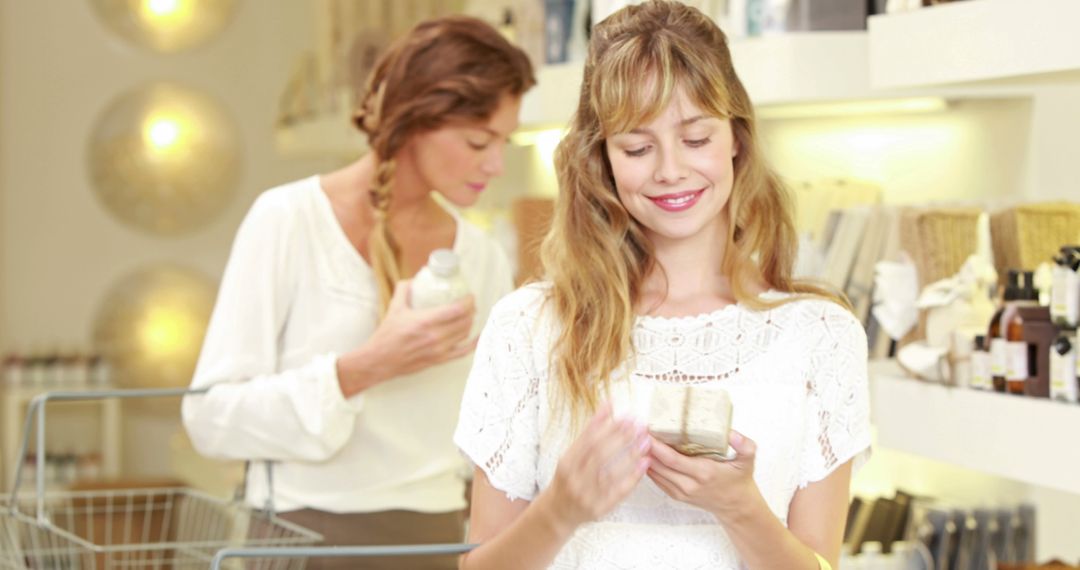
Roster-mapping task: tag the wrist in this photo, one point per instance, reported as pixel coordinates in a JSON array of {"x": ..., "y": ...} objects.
[
  {"x": 747, "y": 506},
  {"x": 549, "y": 513},
  {"x": 357, "y": 371}
]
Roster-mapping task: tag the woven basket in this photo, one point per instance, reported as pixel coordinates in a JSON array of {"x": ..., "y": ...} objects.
[
  {"x": 1025, "y": 236},
  {"x": 939, "y": 240}
]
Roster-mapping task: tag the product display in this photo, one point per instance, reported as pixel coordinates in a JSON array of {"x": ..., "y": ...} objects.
[
  {"x": 1064, "y": 369},
  {"x": 695, "y": 420},
  {"x": 439, "y": 282},
  {"x": 1065, "y": 291}
]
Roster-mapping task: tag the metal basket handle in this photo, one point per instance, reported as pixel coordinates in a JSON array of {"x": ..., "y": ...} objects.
[
  {"x": 37, "y": 408},
  {"x": 338, "y": 551}
]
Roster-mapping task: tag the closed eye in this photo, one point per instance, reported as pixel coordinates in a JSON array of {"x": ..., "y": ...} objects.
[
  {"x": 698, "y": 142},
  {"x": 634, "y": 152}
]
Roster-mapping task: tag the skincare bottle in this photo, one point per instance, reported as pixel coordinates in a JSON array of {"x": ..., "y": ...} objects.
[
  {"x": 439, "y": 282},
  {"x": 996, "y": 336},
  {"x": 1018, "y": 361},
  {"x": 980, "y": 365},
  {"x": 1063, "y": 364}
]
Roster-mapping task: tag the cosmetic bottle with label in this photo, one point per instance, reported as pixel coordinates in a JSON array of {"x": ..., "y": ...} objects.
[
  {"x": 1065, "y": 294},
  {"x": 1019, "y": 359},
  {"x": 1063, "y": 368},
  {"x": 980, "y": 365},
  {"x": 439, "y": 282},
  {"x": 995, "y": 334}
]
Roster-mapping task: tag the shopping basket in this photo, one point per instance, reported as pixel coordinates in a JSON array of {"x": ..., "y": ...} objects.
[{"x": 158, "y": 528}]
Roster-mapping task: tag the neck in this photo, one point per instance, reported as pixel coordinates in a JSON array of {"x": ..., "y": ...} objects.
[
  {"x": 410, "y": 198},
  {"x": 694, "y": 280}
]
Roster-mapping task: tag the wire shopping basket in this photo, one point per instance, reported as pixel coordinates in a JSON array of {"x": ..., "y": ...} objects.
[{"x": 156, "y": 528}]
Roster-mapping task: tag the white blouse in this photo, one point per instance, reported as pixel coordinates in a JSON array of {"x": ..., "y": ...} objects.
[
  {"x": 294, "y": 295},
  {"x": 797, "y": 376}
]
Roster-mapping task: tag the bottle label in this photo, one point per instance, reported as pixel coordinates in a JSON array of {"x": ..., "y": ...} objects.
[
  {"x": 1072, "y": 298},
  {"x": 1016, "y": 360},
  {"x": 997, "y": 356},
  {"x": 980, "y": 370},
  {"x": 1063, "y": 385},
  {"x": 1058, "y": 293}
]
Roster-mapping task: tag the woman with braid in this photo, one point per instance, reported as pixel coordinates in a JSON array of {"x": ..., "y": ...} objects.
[{"x": 316, "y": 363}]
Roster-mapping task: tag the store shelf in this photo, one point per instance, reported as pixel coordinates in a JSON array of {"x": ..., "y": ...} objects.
[
  {"x": 781, "y": 69},
  {"x": 974, "y": 41},
  {"x": 803, "y": 67},
  {"x": 1021, "y": 438},
  {"x": 13, "y": 405},
  {"x": 330, "y": 135}
]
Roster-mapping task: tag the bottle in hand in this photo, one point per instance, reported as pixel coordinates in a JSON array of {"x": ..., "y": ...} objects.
[{"x": 439, "y": 282}]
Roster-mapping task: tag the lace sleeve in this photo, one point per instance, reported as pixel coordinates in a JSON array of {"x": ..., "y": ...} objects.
[
  {"x": 498, "y": 426},
  {"x": 838, "y": 396}
]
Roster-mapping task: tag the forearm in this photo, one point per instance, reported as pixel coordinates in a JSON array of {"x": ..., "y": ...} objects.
[
  {"x": 763, "y": 542},
  {"x": 294, "y": 415},
  {"x": 531, "y": 541},
  {"x": 361, "y": 370}
]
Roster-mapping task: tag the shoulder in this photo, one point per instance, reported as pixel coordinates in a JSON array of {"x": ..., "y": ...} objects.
[
  {"x": 526, "y": 303},
  {"x": 815, "y": 317},
  {"x": 285, "y": 202}
]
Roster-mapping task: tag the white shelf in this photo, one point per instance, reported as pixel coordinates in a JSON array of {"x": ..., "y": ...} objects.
[
  {"x": 781, "y": 69},
  {"x": 1021, "y": 438},
  {"x": 803, "y": 67},
  {"x": 974, "y": 41},
  {"x": 13, "y": 407},
  {"x": 331, "y": 135}
]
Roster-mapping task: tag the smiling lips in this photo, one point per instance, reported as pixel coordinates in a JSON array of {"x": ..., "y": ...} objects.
[
  {"x": 679, "y": 201},
  {"x": 477, "y": 187}
]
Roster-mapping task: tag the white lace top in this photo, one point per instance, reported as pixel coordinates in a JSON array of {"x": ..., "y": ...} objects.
[{"x": 798, "y": 382}]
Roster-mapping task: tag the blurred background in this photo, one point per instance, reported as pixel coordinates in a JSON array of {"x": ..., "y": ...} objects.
[{"x": 926, "y": 145}]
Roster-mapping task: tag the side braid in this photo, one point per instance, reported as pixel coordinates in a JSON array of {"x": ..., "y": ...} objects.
[{"x": 382, "y": 248}]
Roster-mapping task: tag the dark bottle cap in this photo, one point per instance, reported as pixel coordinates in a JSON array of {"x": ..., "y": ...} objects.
[
  {"x": 1029, "y": 292},
  {"x": 1062, "y": 345},
  {"x": 980, "y": 342}
]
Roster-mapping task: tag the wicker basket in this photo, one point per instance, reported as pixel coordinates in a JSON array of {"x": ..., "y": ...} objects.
[
  {"x": 939, "y": 240},
  {"x": 1025, "y": 236}
]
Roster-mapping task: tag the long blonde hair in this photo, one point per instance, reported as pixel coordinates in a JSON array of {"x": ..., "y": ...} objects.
[
  {"x": 596, "y": 255},
  {"x": 454, "y": 68}
]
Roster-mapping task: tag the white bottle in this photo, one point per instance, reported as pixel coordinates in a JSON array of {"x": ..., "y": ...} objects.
[{"x": 439, "y": 282}]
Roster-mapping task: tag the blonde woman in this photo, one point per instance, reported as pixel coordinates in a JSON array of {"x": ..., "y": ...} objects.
[
  {"x": 669, "y": 261},
  {"x": 316, "y": 362}
]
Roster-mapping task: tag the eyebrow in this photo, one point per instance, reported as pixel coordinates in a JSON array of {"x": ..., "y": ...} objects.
[
  {"x": 488, "y": 130},
  {"x": 682, "y": 123}
]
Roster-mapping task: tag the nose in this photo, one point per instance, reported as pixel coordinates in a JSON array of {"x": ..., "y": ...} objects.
[
  {"x": 670, "y": 167},
  {"x": 493, "y": 161}
]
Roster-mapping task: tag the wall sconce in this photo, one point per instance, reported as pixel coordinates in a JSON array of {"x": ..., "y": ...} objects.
[
  {"x": 150, "y": 326},
  {"x": 166, "y": 26},
  {"x": 164, "y": 159}
]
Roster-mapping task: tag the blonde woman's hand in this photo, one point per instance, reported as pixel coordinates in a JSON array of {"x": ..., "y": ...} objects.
[
  {"x": 408, "y": 340},
  {"x": 602, "y": 466},
  {"x": 722, "y": 488}
]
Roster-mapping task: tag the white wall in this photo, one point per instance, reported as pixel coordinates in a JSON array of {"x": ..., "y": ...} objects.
[{"x": 60, "y": 250}]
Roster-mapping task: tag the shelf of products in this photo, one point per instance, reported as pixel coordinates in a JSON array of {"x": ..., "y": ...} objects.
[
  {"x": 14, "y": 401},
  {"x": 327, "y": 135},
  {"x": 999, "y": 434},
  {"x": 976, "y": 41}
]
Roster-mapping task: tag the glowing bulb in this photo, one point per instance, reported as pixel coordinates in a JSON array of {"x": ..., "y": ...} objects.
[
  {"x": 162, "y": 8},
  {"x": 166, "y": 331},
  {"x": 162, "y": 133}
]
